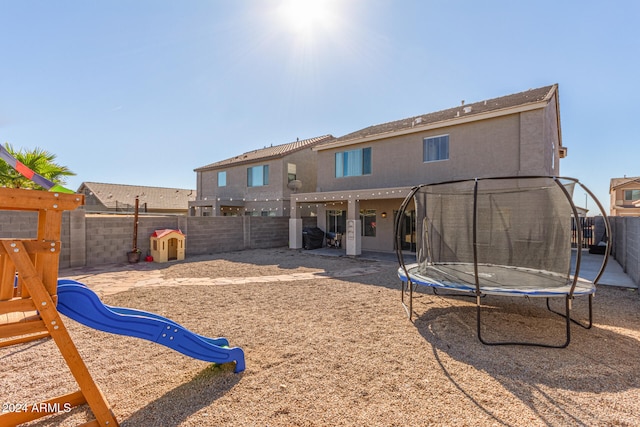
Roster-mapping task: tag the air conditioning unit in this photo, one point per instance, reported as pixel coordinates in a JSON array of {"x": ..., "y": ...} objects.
[{"x": 619, "y": 202}]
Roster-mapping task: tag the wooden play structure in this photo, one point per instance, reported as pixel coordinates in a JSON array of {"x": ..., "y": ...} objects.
[
  {"x": 167, "y": 245},
  {"x": 28, "y": 298}
]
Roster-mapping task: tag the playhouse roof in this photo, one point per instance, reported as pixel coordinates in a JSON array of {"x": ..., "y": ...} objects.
[{"x": 165, "y": 232}]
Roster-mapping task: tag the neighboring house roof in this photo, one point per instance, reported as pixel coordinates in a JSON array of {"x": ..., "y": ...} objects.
[
  {"x": 272, "y": 152},
  {"x": 525, "y": 100},
  {"x": 617, "y": 182},
  {"x": 156, "y": 198}
]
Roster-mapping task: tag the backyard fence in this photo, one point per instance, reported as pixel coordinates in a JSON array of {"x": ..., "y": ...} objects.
[
  {"x": 100, "y": 239},
  {"x": 626, "y": 245},
  {"x": 584, "y": 225}
]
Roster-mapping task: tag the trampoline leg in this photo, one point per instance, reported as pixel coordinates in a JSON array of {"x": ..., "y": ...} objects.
[
  {"x": 582, "y": 325},
  {"x": 567, "y": 317},
  {"x": 407, "y": 286}
]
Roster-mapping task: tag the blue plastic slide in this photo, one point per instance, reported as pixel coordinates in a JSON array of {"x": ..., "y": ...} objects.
[{"x": 77, "y": 301}]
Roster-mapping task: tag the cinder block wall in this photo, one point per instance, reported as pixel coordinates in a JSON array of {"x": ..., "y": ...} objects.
[
  {"x": 23, "y": 225},
  {"x": 626, "y": 245},
  {"x": 109, "y": 237},
  {"x": 105, "y": 239},
  {"x": 212, "y": 234},
  {"x": 268, "y": 232}
]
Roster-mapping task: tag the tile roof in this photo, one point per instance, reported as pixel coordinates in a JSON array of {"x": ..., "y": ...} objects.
[
  {"x": 274, "y": 151},
  {"x": 156, "y": 198},
  {"x": 530, "y": 96},
  {"x": 617, "y": 182}
]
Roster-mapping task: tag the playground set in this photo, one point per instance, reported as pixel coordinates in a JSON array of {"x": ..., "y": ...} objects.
[{"x": 32, "y": 299}]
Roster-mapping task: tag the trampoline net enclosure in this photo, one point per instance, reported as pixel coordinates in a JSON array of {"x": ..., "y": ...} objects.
[{"x": 508, "y": 234}]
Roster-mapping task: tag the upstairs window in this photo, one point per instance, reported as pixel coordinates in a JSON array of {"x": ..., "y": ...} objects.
[
  {"x": 436, "y": 148},
  {"x": 222, "y": 179},
  {"x": 291, "y": 172},
  {"x": 258, "y": 176},
  {"x": 631, "y": 195},
  {"x": 353, "y": 163}
]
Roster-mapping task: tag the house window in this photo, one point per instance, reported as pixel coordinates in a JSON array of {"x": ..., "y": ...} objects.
[
  {"x": 258, "y": 176},
  {"x": 222, "y": 179},
  {"x": 353, "y": 162},
  {"x": 291, "y": 172},
  {"x": 368, "y": 221},
  {"x": 631, "y": 195},
  {"x": 435, "y": 148}
]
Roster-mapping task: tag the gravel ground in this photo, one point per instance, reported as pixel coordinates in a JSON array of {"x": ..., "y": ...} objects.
[{"x": 340, "y": 351}]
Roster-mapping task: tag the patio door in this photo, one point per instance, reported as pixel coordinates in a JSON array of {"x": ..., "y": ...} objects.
[
  {"x": 337, "y": 221},
  {"x": 407, "y": 230}
]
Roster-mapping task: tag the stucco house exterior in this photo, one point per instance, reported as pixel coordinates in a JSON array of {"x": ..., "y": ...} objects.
[
  {"x": 625, "y": 196},
  {"x": 258, "y": 182},
  {"x": 364, "y": 176},
  {"x": 105, "y": 197}
]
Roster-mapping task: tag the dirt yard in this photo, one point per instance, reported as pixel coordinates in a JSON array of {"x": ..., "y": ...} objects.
[{"x": 338, "y": 350}]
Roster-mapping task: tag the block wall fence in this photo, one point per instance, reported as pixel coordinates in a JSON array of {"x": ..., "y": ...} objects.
[
  {"x": 97, "y": 239},
  {"x": 626, "y": 245}
]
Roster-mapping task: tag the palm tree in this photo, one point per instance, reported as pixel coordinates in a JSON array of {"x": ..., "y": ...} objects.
[{"x": 38, "y": 160}]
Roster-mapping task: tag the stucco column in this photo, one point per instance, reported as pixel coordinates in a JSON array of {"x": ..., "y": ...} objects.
[
  {"x": 353, "y": 239},
  {"x": 295, "y": 226},
  {"x": 321, "y": 219}
]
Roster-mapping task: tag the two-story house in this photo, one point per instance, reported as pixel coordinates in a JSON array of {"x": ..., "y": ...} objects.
[
  {"x": 364, "y": 176},
  {"x": 625, "y": 196},
  {"x": 258, "y": 182}
]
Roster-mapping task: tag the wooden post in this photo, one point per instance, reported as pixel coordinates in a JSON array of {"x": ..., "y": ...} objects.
[{"x": 135, "y": 225}]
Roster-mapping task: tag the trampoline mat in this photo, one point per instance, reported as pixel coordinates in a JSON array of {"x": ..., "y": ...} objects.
[{"x": 496, "y": 279}]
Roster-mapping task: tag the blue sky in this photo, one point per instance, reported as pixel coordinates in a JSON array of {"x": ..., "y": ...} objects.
[{"x": 142, "y": 92}]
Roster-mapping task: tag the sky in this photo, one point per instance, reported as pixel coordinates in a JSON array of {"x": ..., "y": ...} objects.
[{"x": 143, "y": 92}]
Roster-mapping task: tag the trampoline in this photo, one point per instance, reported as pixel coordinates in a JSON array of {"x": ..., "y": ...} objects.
[{"x": 501, "y": 236}]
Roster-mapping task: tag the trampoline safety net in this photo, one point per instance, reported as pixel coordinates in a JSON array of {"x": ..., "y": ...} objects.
[{"x": 515, "y": 231}]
